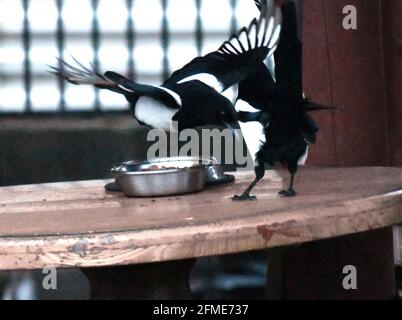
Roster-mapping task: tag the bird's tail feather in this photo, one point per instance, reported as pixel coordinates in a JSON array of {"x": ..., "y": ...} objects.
[
  {"x": 113, "y": 81},
  {"x": 121, "y": 81},
  {"x": 80, "y": 74}
]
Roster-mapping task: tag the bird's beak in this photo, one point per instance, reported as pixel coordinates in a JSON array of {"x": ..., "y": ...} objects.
[{"x": 312, "y": 107}]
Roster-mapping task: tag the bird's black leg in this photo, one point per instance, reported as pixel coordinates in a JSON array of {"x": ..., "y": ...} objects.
[
  {"x": 259, "y": 172},
  {"x": 291, "y": 191}
]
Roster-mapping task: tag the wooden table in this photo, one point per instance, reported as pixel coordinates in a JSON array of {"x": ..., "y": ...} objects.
[{"x": 146, "y": 247}]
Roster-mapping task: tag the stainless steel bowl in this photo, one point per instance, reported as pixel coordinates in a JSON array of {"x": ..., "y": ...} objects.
[
  {"x": 175, "y": 176},
  {"x": 184, "y": 177},
  {"x": 214, "y": 171}
]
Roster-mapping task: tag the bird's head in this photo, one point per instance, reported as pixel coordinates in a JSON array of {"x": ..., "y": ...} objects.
[{"x": 307, "y": 124}]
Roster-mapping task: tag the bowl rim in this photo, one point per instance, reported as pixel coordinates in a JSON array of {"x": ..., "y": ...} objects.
[
  {"x": 203, "y": 164},
  {"x": 159, "y": 172}
]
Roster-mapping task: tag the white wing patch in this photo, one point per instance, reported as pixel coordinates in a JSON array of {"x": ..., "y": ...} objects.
[
  {"x": 232, "y": 93},
  {"x": 243, "y": 38},
  {"x": 206, "y": 78},
  {"x": 253, "y": 132},
  {"x": 263, "y": 32},
  {"x": 275, "y": 38},
  {"x": 243, "y": 106},
  {"x": 302, "y": 161},
  {"x": 252, "y": 34},
  {"x": 270, "y": 64},
  {"x": 172, "y": 93},
  {"x": 237, "y": 45},
  {"x": 270, "y": 28},
  {"x": 154, "y": 113},
  {"x": 124, "y": 88}
]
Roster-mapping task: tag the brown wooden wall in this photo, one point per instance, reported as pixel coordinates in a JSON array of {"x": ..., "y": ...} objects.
[
  {"x": 393, "y": 70},
  {"x": 359, "y": 71}
]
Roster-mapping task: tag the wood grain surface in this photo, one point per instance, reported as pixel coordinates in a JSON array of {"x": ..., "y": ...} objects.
[{"x": 78, "y": 224}]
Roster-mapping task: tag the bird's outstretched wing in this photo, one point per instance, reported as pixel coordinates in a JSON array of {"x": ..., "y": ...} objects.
[
  {"x": 259, "y": 88},
  {"x": 261, "y": 3},
  {"x": 237, "y": 57},
  {"x": 261, "y": 37}
]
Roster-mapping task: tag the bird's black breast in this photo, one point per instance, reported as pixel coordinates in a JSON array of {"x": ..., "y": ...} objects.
[{"x": 288, "y": 149}]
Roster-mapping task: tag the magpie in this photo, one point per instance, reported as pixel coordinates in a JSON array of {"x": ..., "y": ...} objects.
[
  {"x": 280, "y": 106},
  {"x": 197, "y": 94},
  {"x": 261, "y": 4}
]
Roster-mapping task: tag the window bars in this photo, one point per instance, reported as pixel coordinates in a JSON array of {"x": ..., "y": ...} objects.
[{"x": 143, "y": 39}]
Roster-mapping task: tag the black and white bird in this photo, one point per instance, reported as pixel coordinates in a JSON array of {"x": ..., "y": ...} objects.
[
  {"x": 195, "y": 95},
  {"x": 253, "y": 131},
  {"x": 261, "y": 3},
  {"x": 280, "y": 106}
]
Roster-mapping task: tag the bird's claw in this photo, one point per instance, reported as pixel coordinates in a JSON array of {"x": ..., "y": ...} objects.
[
  {"x": 244, "y": 197},
  {"x": 288, "y": 193}
]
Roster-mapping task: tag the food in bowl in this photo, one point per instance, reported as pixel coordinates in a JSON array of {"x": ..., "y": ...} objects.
[{"x": 155, "y": 167}]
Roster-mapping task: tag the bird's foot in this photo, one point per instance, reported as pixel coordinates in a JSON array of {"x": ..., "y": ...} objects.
[
  {"x": 244, "y": 197},
  {"x": 288, "y": 193}
]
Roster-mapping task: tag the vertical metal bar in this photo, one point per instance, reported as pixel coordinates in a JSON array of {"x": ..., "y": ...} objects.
[
  {"x": 233, "y": 24},
  {"x": 60, "y": 49},
  {"x": 198, "y": 31},
  {"x": 130, "y": 39},
  {"x": 165, "y": 40},
  {"x": 26, "y": 35},
  {"x": 95, "y": 46}
]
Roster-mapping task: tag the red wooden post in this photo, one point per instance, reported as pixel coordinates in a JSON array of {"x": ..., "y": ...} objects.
[
  {"x": 317, "y": 80},
  {"x": 346, "y": 68},
  {"x": 392, "y": 11}
]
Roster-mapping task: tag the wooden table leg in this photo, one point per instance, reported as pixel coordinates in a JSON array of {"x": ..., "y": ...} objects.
[
  {"x": 3, "y": 282},
  {"x": 165, "y": 281},
  {"x": 315, "y": 270},
  {"x": 275, "y": 279}
]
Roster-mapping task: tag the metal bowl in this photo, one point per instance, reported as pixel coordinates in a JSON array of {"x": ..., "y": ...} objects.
[
  {"x": 131, "y": 178},
  {"x": 173, "y": 176},
  {"x": 214, "y": 171}
]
